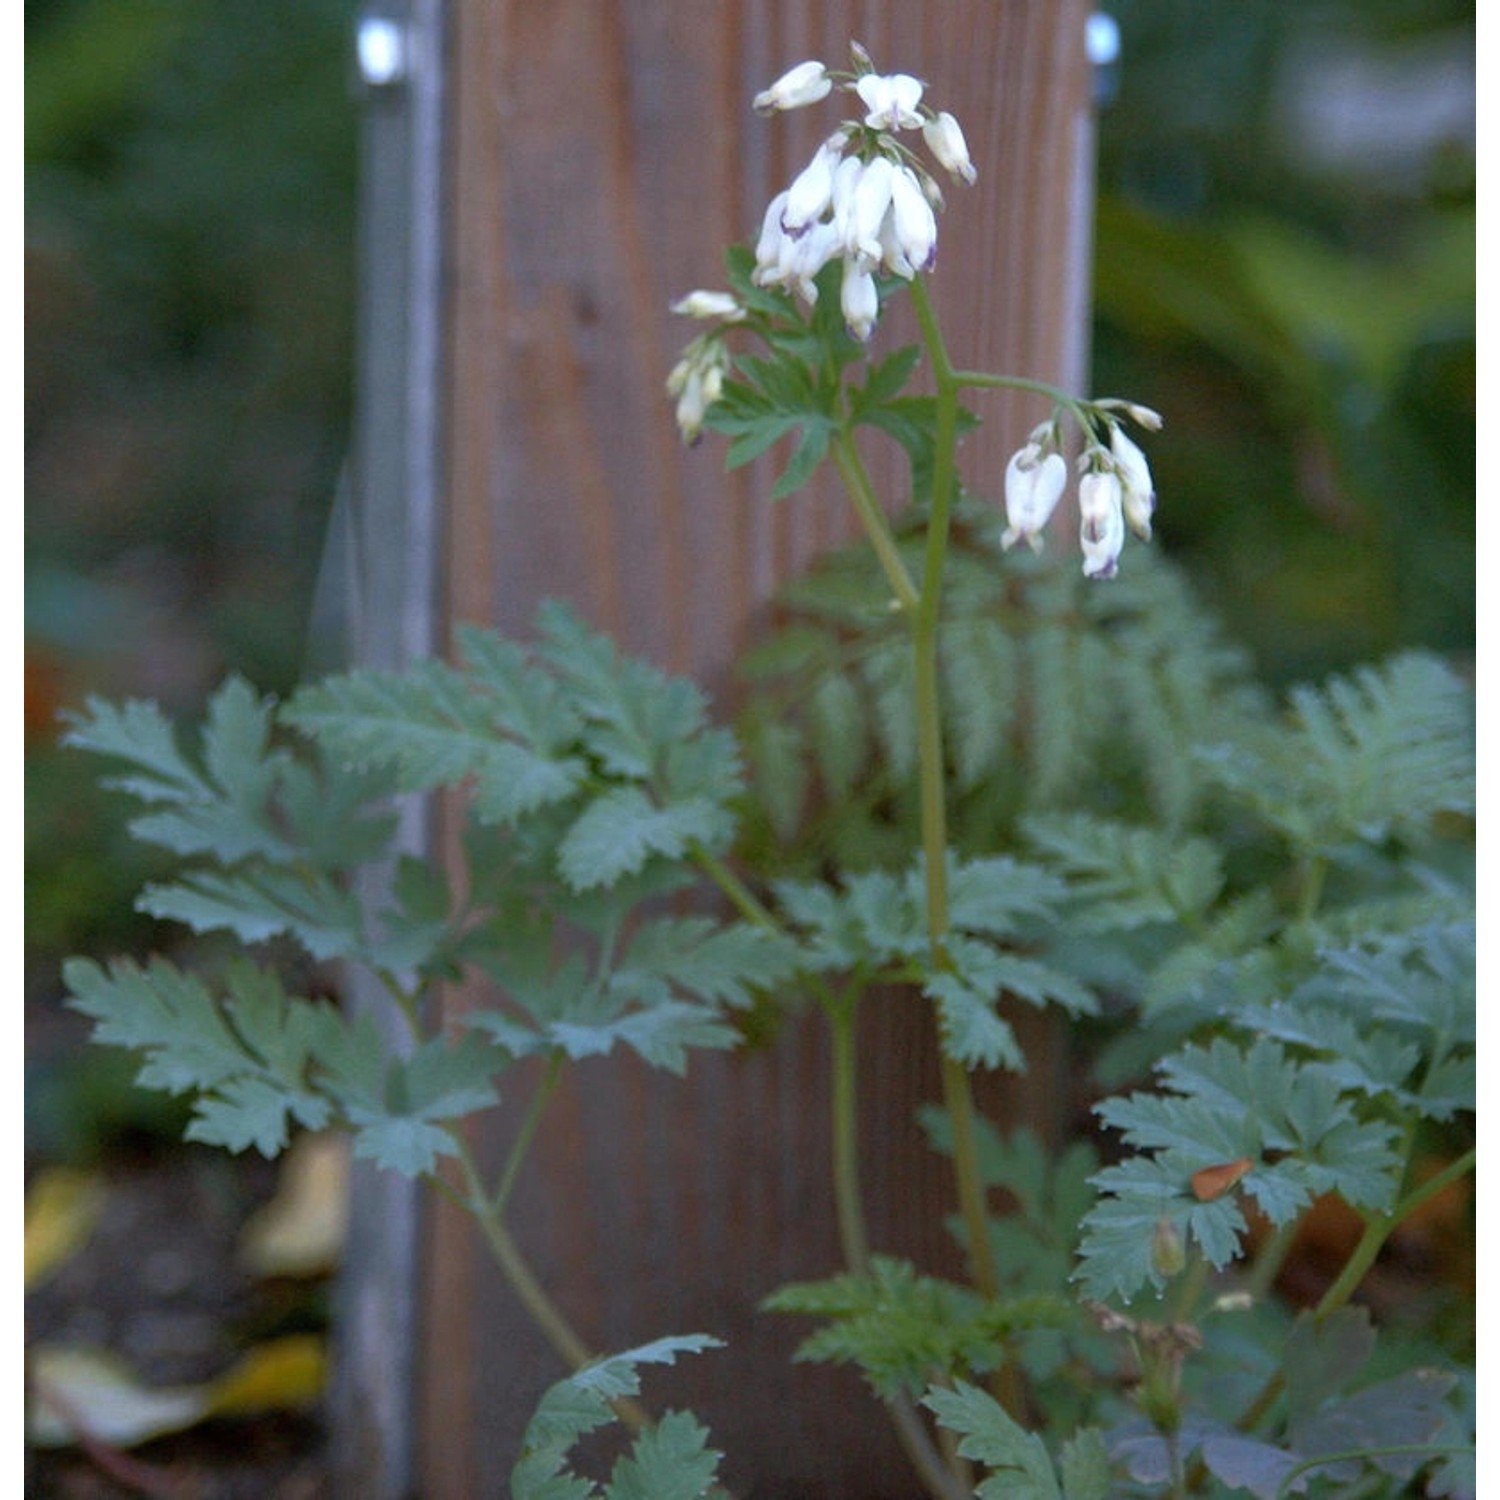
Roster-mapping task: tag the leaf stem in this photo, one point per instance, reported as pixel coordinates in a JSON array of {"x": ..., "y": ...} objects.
[
  {"x": 856, "y": 477},
  {"x": 523, "y": 1281},
  {"x": 533, "y": 1117}
]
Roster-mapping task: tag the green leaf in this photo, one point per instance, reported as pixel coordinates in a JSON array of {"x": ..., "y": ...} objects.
[
  {"x": 1084, "y": 1466},
  {"x": 436, "y": 726},
  {"x": 246, "y": 1059},
  {"x": 223, "y": 809},
  {"x": 1022, "y": 1468},
  {"x": 580, "y": 1404},
  {"x": 671, "y": 1461},
  {"x": 717, "y": 963},
  {"x": 618, "y": 832},
  {"x": 262, "y": 903}
]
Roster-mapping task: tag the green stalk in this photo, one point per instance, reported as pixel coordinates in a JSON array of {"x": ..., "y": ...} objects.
[
  {"x": 958, "y": 1095},
  {"x": 523, "y": 1281},
  {"x": 1378, "y": 1229}
]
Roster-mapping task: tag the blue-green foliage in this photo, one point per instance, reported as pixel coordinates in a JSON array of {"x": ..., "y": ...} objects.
[
  {"x": 901, "y": 1328},
  {"x": 591, "y": 780},
  {"x": 874, "y": 925},
  {"x": 668, "y": 1461},
  {"x": 1055, "y": 696}
]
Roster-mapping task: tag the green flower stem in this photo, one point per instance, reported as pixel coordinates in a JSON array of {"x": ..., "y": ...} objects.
[
  {"x": 1378, "y": 1228},
  {"x": 982, "y": 380},
  {"x": 856, "y": 479},
  {"x": 958, "y": 1095},
  {"x": 523, "y": 1281}
]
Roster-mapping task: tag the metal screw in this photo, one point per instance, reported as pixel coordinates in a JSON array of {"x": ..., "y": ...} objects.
[{"x": 380, "y": 48}]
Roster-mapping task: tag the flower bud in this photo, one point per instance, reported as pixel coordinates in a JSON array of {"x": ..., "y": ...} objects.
[
  {"x": 1034, "y": 482},
  {"x": 1168, "y": 1255},
  {"x": 945, "y": 139},
  {"x": 701, "y": 304},
  {"x": 805, "y": 84}
]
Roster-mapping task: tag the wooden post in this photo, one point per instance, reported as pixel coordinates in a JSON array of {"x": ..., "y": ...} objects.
[{"x": 602, "y": 154}]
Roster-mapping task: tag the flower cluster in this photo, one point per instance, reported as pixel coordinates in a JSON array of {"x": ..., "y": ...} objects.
[
  {"x": 863, "y": 198},
  {"x": 1115, "y": 490}
]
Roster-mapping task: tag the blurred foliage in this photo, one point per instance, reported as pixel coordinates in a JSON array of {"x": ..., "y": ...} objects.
[
  {"x": 190, "y": 175},
  {"x": 1285, "y": 266}
]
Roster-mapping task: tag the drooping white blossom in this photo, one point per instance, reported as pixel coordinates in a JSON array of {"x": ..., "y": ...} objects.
[
  {"x": 805, "y": 84},
  {"x": 859, "y": 300},
  {"x": 1101, "y": 531},
  {"x": 869, "y": 202},
  {"x": 945, "y": 139},
  {"x": 1035, "y": 478},
  {"x": 913, "y": 221},
  {"x": 811, "y": 192},
  {"x": 891, "y": 100},
  {"x": 1139, "y": 494}
]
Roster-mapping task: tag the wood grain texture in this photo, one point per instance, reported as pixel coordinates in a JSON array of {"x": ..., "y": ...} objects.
[{"x": 604, "y": 153}]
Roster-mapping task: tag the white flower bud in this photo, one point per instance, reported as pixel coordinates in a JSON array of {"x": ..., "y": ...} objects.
[
  {"x": 1034, "y": 482},
  {"x": 701, "y": 304},
  {"x": 1139, "y": 495},
  {"x": 692, "y": 403},
  {"x": 891, "y": 99},
  {"x": 945, "y": 139},
  {"x": 1101, "y": 532},
  {"x": 805, "y": 84},
  {"x": 812, "y": 190},
  {"x": 914, "y": 222},
  {"x": 859, "y": 300}
]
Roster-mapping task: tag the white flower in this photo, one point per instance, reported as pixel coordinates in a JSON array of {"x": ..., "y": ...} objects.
[
  {"x": 768, "y": 246},
  {"x": 859, "y": 300},
  {"x": 1101, "y": 532},
  {"x": 891, "y": 99},
  {"x": 868, "y": 203},
  {"x": 945, "y": 139},
  {"x": 811, "y": 191},
  {"x": 1139, "y": 496},
  {"x": 701, "y": 304},
  {"x": 913, "y": 221},
  {"x": 805, "y": 84},
  {"x": 1034, "y": 482}
]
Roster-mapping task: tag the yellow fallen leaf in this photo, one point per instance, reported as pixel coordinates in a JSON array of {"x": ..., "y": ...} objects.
[
  {"x": 78, "y": 1391},
  {"x": 91, "y": 1391},
  {"x": 62, "y": 1206},
  {"x": 300, "y": 1232},
  {"x": 273, "y": 1376}
]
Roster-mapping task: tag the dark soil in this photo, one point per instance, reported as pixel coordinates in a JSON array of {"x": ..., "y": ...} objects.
[{"x": 157, "y": 1284}]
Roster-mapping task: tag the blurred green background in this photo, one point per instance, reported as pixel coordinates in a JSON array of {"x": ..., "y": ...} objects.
[{"x": 1285, "y": 267}]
